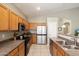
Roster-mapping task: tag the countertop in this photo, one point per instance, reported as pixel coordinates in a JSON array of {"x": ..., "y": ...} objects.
[
  {"x": 70, "y": 52},
  {"x": 8, "y": 46}
]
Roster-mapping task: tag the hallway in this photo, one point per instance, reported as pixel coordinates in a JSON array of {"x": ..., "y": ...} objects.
[{"x": 39, "y": 50}]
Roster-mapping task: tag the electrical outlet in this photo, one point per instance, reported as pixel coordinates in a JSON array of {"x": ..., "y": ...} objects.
[{"x": 3, "y": 36}]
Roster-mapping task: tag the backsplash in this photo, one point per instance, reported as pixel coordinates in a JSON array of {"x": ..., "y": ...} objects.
[{"x": 6, "y": 35}]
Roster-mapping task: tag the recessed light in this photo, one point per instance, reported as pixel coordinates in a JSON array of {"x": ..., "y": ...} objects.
[{"x": 38, "y": 8}]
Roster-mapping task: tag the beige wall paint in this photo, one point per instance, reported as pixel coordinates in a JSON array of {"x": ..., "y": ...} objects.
[
  {"x": 13, "y": 8},
  {"x": 72, "y": 14}
]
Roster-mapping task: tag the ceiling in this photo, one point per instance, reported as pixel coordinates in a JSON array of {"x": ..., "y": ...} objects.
[{"x": 46, "y": 9}]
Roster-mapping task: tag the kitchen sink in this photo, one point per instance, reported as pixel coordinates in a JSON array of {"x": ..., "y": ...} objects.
[
  {"x": 67, "y": 44},
  {"x": 71, "y": 46},
  {"x": 61, "y": 42}
]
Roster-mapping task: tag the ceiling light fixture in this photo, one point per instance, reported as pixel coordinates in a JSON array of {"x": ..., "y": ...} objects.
[{"x": 38, "y": 8}]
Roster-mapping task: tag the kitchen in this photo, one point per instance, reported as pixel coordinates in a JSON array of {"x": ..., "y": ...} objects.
[{"x": 29, "y": 29}]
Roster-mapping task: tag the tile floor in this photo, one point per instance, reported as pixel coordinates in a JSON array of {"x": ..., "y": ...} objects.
[{"x": 39, "y": 50}]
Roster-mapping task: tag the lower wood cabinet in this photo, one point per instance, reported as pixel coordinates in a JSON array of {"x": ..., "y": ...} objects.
[
  {"x": 19, "y": 51},
  {"x": 14, "y": 52},
  {"x": 34, "y": 39},
  {"x": 56, "y": 50}
]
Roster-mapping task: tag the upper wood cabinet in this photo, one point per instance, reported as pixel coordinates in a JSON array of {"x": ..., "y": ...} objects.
[
  {"x": 26, "y": 24},
  {"x": 4, "y": 18},
  {"x": 33, "y": 26},
  {"x": 9, "y": 20},
  {"x": 20, "y": 20},
  {"x": 13, "y": 21}
]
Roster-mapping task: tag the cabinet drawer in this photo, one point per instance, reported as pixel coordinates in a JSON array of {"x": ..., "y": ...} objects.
[{"x": 14, "y": 52}]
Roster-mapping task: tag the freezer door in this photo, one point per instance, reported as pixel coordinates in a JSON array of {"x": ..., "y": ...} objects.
[
  {"x": 43, "y": 39},
  {"x": 39, "y": 39}
]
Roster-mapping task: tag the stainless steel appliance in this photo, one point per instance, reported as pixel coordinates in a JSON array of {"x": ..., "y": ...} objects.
[
  {"x": 41, "y": 34},
  {"x": 21, "y": 27}
]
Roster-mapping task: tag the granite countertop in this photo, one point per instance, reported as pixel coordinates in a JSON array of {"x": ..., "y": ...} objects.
[
  {"x": 71, "y": 52},
  {"x": 8, "y": 46}
]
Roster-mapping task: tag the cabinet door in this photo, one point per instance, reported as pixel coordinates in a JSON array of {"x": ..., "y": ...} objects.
[
  {"x": 51, "y": 49},
  {"x": 24, "y": 22},
  {"x": 4, "y": 18},
  {"x": 59, "y": 54},
  {"x": 34, "y": 39},
  {"x": 27, "y": 25},
  {"x": 14, "y": 52},
  {"x": 13, "y": 21},
  {"x": 54, "y": 51},
  {"x": 21, "y": 50},
  {"x": 20, "y": 19}
]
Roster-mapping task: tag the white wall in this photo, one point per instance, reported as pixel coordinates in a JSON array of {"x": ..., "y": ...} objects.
[
  {"x": 52, "y": 30},
  {"x": 71, "y": 14},
  {"x": 41, "y": 19}
]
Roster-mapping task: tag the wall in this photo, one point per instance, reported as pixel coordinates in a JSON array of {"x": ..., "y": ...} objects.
[
  {"x": 61, "y": 22},
  {"x": 5, "y": 35},
  {"x": 41, "y": 19},
  {"x": 71, "y": 14},
  {"x": 52, "y": 30}
]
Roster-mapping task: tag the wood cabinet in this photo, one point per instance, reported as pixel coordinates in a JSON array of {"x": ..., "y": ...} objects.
[
  {"x": 30, "y": 42},
  {"x": 20, "y": 20},
  {"x": 13, "y": 21},
  {"x": 26, "y": 24},
  {"x": 51, "y": 47},
  {"x": 18, "y": 51},
  {"x": 4, "y": 18},
  {"x": 56, "y": 50},
  {"x": 21, "y": 50},
  {"x": 33, "y": 38},
  {"x": 9, "y": 20},
  {"x": 14, "y": 52},
  {"x": 32, "y": 26}
]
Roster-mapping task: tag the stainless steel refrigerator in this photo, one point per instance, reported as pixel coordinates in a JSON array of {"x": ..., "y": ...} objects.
[{"x": 41, "y": 34}]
